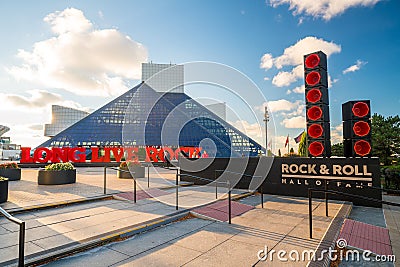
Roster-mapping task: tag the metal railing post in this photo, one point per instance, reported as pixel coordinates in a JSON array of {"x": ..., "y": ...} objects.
[
  {"x": 310, "y": 210},
  {"x": 326, "y": 199},
  {"x": 105, "y": 182},
  {"x": 216, "y": 185},
  {"x": 134, "y": 189},
  {"x": 148, "y": 175},
  {"x": 229, "y": 203},
  {"x": 176, "y": 190},
  {"x": 262, "y": 197},
  {"x": 21, "y": 244}
]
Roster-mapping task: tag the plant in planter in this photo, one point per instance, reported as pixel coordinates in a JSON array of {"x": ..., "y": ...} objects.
[
  {"x": 3, "y": 189},
  {"x": 123, "y": 170},
  {"x": 10, "y": 171},
  {"x": 131, "y": 166},
  {"x": 57, "y": 173}
]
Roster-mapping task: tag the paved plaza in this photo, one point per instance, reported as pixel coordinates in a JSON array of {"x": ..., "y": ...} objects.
[{"x": 151, "y": 232}]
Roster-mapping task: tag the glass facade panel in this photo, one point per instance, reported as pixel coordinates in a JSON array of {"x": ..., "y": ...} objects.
[{"x": 150, "y": 118}]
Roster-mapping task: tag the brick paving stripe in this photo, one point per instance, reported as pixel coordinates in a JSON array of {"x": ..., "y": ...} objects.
[
  {"x": 219, "y": 210},
  {"x": 367, "y": 237},
  {"x": 141, "y": 194}
]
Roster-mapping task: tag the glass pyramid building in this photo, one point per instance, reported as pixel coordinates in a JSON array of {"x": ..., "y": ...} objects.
[{"x": 144, "y": 117}]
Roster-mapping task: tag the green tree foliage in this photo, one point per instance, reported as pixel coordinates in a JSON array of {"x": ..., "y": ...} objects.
[
  {"x": 385, "y": 138},
  {"x": 337, "y": 150},
  {"x": 303, "y": 151}
]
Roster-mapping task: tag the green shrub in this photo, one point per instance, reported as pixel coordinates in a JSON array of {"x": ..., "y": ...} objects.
[{"x": 63, "y": 166}]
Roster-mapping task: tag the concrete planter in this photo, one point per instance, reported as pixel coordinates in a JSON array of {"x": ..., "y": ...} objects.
[
  {"x": 11, "y": 174},
  {"x": 123, "y": 174},
  {"x": 138, "y": 170},
  {"x": 52, "y": 177},
  {"x": 3, "y": 191}
]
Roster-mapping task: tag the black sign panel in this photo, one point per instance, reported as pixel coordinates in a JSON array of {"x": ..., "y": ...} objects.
[{"x": 293, "y": 176}]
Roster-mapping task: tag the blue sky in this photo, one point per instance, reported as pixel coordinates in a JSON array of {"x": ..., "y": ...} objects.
[{"x": 364, "y": 39}]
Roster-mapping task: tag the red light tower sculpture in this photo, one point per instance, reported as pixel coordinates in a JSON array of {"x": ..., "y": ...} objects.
[
  {"x": 357, "y": 128},
  {"x": 317, "y": 104}
]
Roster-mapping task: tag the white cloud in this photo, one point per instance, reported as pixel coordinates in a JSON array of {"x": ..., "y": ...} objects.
[
  {"x": 284, "y": 78},
  {"x": 299, "y": 89},
  {"x": 281, "y": 105},
  {"x": 266, "y": 62},
  {"x": 298, "y": 122},
  {"x": 337, "y": 134},
  {"x": 293, "y": 56},
  {"x": 36, "y": 127},
  {"x": 27, "y": 135},
  {"x": 70, "y": 20},
  {"x": 325, "y": 9},
  {"x": 288, "y": 92},
  {"x": 38, "y": 101},
  {"x": 81, "y": 59},
  {"x": 298, "y": 110},
  {"x": 355, "y": 67}
]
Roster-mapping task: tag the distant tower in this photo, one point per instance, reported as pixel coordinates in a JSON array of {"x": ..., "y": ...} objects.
[{"x": 170, "y": 77}]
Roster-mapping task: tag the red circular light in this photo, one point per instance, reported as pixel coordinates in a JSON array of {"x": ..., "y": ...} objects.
[
  {"x": 312, "y": 61},
  {"x": 314, "y": 113},
  {"x": 362, "y": 148},
  {"x": 361, "y": 128},
  {"x": 360, "y": 109},
  {"x": 316, "y": 149},
  {"x": 315, "y": 130},
  {"x": 313, "y": 95},
  {"x": 313, "y": 78}
]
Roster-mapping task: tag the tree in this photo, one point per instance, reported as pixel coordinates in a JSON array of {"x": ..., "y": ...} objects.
[
  {"x": 385, "y": 137},
  {"x": 279, "y": 153},
  {"x": 303, "y": 151},
  {"x": 337, "y": 150},
  {"x": 291, "y": 152}
]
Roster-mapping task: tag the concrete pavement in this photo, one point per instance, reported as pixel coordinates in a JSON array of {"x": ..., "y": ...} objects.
[
  {"x": 281, "y": 224},
  {"x": 392, "y": 217},
  {"x": 27, "y": 192}
]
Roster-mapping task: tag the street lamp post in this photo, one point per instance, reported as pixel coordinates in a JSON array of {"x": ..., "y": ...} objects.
[{"x": 266, "y": 119}]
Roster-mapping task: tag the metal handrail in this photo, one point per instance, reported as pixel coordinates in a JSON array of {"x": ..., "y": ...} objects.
[
  {"x": 242, "y": 174},
  {"x": 246, "y": 175},
  {"x": 118, "y": 169},
  {"x": 311, "y": 190},
  {"x": 202, "y": 178},
  {"x": 216, "y": 192},
  {"x": 21, "y": 224}
]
